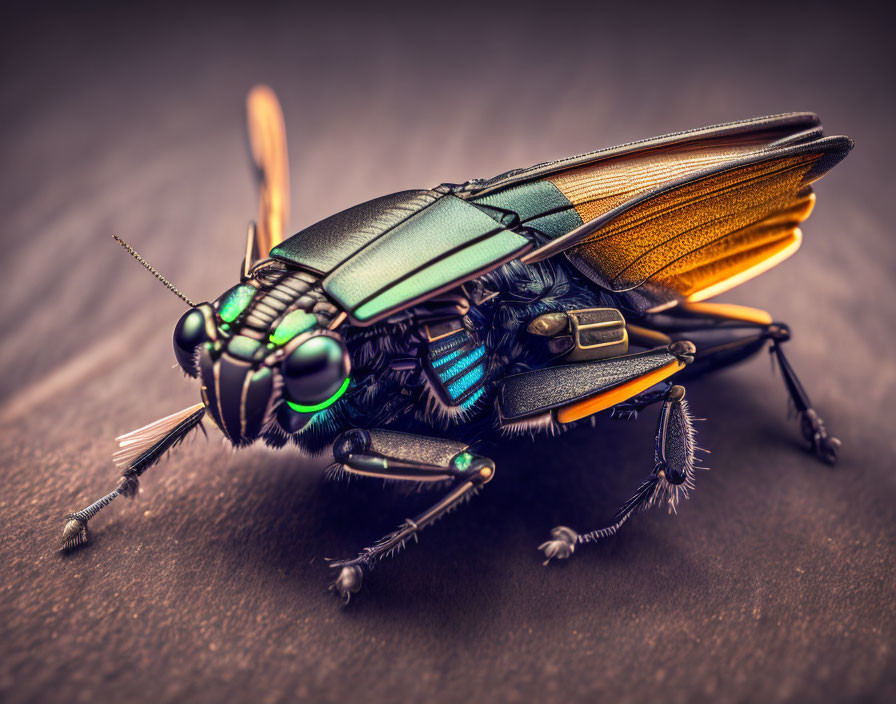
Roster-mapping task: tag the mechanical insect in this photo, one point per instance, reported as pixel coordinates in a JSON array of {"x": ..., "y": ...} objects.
[{"x": 400, "y": 332}]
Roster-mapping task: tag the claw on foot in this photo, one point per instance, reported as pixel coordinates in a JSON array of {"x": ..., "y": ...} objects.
[
  {"x": 827, "y": 449},
  {"x": 562, "y": 544},
  {"x": 824, "y": 446},
  {"x": 75, "y": 533},
  {"x": 348, "y": 582}
]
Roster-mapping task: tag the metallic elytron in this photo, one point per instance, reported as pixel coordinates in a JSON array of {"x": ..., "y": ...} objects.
[{"x": 403, "y": 332}]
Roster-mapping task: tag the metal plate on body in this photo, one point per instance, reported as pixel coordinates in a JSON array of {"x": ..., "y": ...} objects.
[
  {"x": 535, "y": 392},
  {"x": 598, "y": 333},
  {"x": 389, "y": 253}
]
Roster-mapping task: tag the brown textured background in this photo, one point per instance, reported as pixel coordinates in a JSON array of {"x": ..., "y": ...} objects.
[{"x": 775, "y": 582}]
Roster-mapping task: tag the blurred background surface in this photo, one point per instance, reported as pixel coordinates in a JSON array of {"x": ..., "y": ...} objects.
[{"x": 774, "y": 583}]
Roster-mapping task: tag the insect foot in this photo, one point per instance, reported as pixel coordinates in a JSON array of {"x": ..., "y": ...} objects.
[
  {"x": 348, "y": 582},
  {"x": 562, "y": 545},
  {"x": 824, "y": 446},
  {"x": 75, "y": 532}
]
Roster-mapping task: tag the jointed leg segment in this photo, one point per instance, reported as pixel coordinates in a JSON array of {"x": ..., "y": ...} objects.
[
  {"x": 725, "y": 334},
  {"x": 812, "y": 426},
  {"x": 139, "y": 450},
  {"x": 671, "y": 479},
  {"x": 386, "y": 454}
]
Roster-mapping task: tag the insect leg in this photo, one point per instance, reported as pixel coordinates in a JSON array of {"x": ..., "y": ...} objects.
[
  {"x": 629, "y": 410},
  {"x": 569, "y": 392},
  {"x": 671, "y": 479},
  {"x": 812, "y": 426},
  {"x": 726, "y": 334},
  {"x": 138, "y": 451},
  {"x": 387, "y": 454}
]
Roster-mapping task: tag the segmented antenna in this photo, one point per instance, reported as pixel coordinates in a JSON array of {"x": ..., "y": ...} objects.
[{"x": 152, "y": 271}]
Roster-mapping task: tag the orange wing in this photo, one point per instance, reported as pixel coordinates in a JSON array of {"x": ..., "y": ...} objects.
[{"x": 682, "y": 217}]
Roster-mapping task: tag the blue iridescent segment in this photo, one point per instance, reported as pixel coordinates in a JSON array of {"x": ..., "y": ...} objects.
[
  {"x": 469, "y": 358},
  {"x": 458, "y": 364},
  {"x": 471, "y": 400},
  {"x": 464, "y": 383},
  {"x": 447, "y": 358},
  {"x": 443, "y": 350}
]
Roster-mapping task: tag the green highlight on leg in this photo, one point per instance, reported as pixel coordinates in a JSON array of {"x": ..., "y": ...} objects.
[{"x": 463, "y": 461}]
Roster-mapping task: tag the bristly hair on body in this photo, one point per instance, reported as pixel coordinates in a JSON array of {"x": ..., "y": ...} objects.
[{"x": 384, "y": 394}]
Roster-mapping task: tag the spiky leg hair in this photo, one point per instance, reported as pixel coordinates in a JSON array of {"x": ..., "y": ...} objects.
[
  {"x": 675, "y": 459},
  {"x": 531, "y": 426},
  {"x": 670, "y": 481},
  {"x": 352, "y": 570}
]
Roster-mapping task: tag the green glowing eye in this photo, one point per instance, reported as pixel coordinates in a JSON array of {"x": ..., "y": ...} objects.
[
  {"x": 235, "y": 301},
  {"x": 463, "y": 461},
  {"x": 294, "y": 323},
  {"x": 323, "y": 404}
]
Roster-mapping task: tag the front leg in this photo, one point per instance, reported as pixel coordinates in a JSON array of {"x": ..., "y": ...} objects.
[
  {"x": 138, "y": 451},
  {"x": 404, "y": 457}
]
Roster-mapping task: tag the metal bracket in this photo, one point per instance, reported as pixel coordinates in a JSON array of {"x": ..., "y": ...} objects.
[{"x": 590, "y": 333}]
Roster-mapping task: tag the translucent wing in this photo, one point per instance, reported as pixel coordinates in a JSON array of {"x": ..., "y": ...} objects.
[
  {"x": 267, "y": 145},
  {"x": 681, "y": 217}
]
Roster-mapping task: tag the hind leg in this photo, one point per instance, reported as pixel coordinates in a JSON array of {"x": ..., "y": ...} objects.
[
  {"x": 725, "y": 334},
  {"x": 626, "y": 384},
  {"x": 670, "y": 480}
]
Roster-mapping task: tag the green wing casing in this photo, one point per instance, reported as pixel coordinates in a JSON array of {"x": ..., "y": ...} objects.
[
  {"x": 675, "y": 218},
  {"x": 389, "y": 253},
  {"x": 681, "y": 217}
]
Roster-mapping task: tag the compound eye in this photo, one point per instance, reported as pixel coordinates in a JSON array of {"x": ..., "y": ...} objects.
[
  {"x": 189, "y": 333},
  {"x": 316, "y": 373}
]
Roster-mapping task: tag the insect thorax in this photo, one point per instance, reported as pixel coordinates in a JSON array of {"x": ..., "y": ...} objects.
[{"x": 284, "y": 304}]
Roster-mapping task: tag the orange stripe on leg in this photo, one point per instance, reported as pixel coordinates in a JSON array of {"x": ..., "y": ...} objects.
[{"x": 618, "y": 394}]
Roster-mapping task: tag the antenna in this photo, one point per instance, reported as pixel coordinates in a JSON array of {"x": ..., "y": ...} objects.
[{"x": 152, "y": 271}]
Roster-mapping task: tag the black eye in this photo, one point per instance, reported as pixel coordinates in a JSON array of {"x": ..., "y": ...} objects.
[
  {"x": 315, "y": 372},
  {"x": 189, "y": 333}
]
